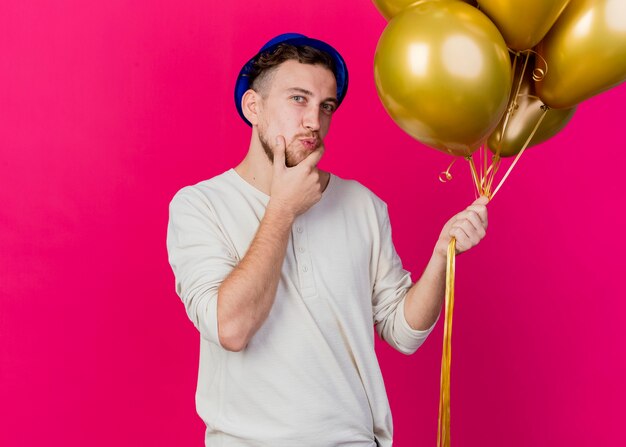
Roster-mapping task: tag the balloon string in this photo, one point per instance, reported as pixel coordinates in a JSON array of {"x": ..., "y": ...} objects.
[
  {"x": 484, "y": 169},
  {"x": 481, "y": 172},
  {"x": 517, "y": 82},
  {"x": 538, "y": 73},
  {"x": 485, "y": 153},
  {"x": 529, "y": 96},
  {"x": 495, "y": 165},
  {"x": 513, "y": 98},
  {"x": 488, "y": 172},
  {"x": 443, "y": 432},
  {"x": 532, "y": 134},
  {"x": 446, "y": 176},
  {"x": 477, "y": 182}
]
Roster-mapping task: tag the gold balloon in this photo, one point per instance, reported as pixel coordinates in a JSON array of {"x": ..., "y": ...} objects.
[
  {"x": 523, "y": 23},
  {"x": 390, "y": 8},
  {"x": 526, "y": 110},
  {"x": 585, "y": 51},
  {"x": 443, "y": 73}
]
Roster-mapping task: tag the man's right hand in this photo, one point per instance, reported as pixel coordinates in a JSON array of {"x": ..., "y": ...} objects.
[
  {"x": 294, "y": 190},
  {"x": 246, "y": 296}
]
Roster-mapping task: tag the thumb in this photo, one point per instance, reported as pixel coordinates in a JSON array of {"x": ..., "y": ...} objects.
[{"x": 279, "y": 152}]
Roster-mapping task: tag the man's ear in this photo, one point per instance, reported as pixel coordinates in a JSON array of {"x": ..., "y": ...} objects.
[{"x": 250, "y": 105}]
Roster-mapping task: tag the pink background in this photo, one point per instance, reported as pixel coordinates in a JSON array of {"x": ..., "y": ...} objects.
[{"x": 108, "y": 108}]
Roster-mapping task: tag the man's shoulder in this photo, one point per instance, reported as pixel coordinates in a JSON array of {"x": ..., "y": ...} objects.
[
  {"x": 208, "y": 197},
  {"x": 216, "y": 186},
  {"x": 354, "y": 191}
]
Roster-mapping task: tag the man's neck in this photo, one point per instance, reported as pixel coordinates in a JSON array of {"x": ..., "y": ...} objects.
[
  {"x": 257, "y": 173},
  {"x": 256, "y": 168}
]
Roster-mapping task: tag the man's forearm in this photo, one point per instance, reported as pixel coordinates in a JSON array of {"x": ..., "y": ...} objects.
[
  {"x": 424, "y": 299},
  {"x": 246, "y": 296}
]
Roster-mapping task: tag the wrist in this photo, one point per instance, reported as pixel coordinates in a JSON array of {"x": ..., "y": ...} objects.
[
  {"x": 278, "y": 209},
  {"x": 440, "y": 252}
]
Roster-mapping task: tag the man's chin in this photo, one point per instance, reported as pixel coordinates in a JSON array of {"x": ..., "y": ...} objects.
[
  {"x": 293, "y": 161},
  {"x": 296, "y": 157}
]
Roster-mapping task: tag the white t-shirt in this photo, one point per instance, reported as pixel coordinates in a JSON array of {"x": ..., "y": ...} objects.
[{"x": 309, "y": 376}]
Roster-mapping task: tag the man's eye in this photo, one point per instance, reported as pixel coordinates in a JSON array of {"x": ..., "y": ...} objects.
[
  {"x": 328, "y": 107},
  {"x": 297, "y": 98}
]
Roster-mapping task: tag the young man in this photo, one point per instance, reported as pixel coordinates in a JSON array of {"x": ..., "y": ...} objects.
[{"x": 285, "y": 269}]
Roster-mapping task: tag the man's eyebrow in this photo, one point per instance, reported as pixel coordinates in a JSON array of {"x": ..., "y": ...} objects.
[
  {"x": 308, "y": 93},
  {"x": 300, "y": 90}
]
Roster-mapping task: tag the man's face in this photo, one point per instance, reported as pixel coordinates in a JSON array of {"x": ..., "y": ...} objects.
[{"x": 298, "y": 103}]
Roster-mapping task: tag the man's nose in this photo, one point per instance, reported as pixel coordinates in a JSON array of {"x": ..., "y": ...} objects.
[{"x": 311, "y": 119}]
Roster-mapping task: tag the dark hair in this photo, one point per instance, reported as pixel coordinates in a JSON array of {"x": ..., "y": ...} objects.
[{"x": 268, "y": 61}]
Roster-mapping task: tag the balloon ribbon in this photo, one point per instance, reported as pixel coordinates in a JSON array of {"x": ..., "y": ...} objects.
[{"x": 443, "y": 435}]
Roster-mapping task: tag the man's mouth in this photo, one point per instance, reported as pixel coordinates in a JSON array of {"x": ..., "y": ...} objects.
[{"x": 310, "y": 143}]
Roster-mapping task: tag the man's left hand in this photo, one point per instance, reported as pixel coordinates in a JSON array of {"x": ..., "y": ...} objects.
[{"x": 468, "y": 228}]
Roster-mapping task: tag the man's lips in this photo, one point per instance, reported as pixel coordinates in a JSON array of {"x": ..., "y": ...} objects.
[{"x": 309, "y": 143}]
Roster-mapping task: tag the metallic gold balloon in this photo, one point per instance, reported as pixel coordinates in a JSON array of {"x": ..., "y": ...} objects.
[
  {"x": 585, "y": 51},
  {"x": 523, "y": 23},
  {"x": 390, "y": 8},
  {"x": 443, "y": 73},
  {"x": 525, "y": 112}
]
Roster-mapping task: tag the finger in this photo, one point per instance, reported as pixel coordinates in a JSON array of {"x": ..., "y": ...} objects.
[
  {"x": 462, "y": 239},
  {"x": 481, "y": 211},
  {"x": 279, "y": 152},
  {"x": 482, "y": 202},
  {"x": 314, "y": 157},
  {"x": 466, "y": 236},
  {"x": 473, "y": 233},
  {"x": 475, "y": 223}
]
